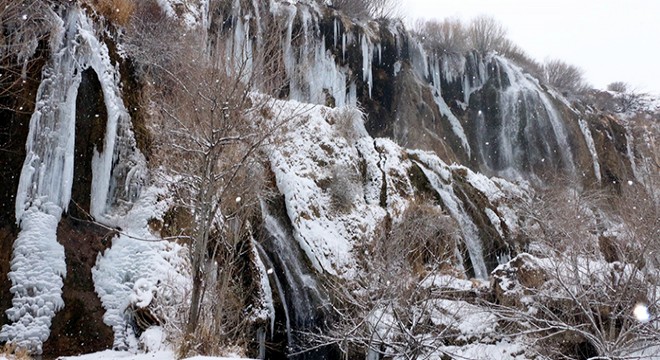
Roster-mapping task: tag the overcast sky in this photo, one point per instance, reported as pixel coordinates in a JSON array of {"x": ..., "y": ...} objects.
[{"x": 611, "y": 40}]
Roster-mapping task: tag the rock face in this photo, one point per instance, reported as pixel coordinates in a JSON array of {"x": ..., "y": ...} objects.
[
  {"x": 479, "y": 110},
  {"x": 432, "y": 130}
]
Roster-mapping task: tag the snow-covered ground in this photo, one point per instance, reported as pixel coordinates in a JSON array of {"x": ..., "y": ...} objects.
[{"x": 124, "y": 355}]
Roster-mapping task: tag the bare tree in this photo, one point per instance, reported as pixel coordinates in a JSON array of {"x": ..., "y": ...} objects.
[
  {"x": 486, "y": 34},
  {"x": 353, "y": 8},
  {"x": 565, "y": 77},
  {"x": 375, "y": 9},
  {"x": 630, "y": 100},
  {"x": 210, "y": 125},
  {"x": 389, "y": 306},
  {"x": 586, "y": 286},
  {"x": 384, "y": 9},
  {"x": 23, "y": 25},
  {"x": 618, "y": 86},
  {"x": 446, "y": 36}
]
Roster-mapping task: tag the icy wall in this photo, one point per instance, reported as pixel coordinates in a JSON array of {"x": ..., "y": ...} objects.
[
  {"x": 481, "y": 110},
  {"x": 44, "y": 190}
]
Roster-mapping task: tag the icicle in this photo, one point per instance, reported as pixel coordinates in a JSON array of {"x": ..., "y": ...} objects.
[
  {"x": 343, "y": 47},
  {"x": 380, "y": 53},
  {"x": 336, "y": 32},
  {"x": 456, "y": 126},
  {"x": 367, "y": 56}
]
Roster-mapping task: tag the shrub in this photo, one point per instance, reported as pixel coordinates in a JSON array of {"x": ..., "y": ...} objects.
[
  {"x": 422, "y": 238},
  {"x": 13, "y": 352},
  {"x": 118, "y": 12},
  {"x": 386, "y": 310},
  {"x": 618, "y": 86},
  {"x": 343, "y": 187},
  {"x": 586, "y": 273}
]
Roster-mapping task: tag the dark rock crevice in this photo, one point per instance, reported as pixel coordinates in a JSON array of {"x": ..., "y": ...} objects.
[
  {"x": 91, "y": 119},
  {"x": 78, "y": 328}
]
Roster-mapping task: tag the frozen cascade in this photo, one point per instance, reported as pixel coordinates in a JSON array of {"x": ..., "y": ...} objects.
[
  {"x": 444, "y": 108},
  {"x": 262, "y": 261},
  {"x": 44, "y": 191},
  {"x": 302, "y": 295},
  {"x": 114, "y": 187},
  {"x": 471, "y": 83},
  {"x": 584, "y": 127},
  {"x": 37, "y": 271},
  {"x": 631, "y": 155},
  {"x": 48, "y": 168},
  {"x": 531, "y": 130},
  {"x": 312, "y": 71},
  {"x": 37, "y": 265},
  {"x": 456, "y": 210},
  {"x": 419, "y": 59}
]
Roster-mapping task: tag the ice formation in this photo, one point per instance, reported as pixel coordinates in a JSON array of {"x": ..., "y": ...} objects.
[{"x": 44, "y": 191}]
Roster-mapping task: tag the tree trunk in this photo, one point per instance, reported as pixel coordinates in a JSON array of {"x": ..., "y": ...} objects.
[{"x": 195, "y": 302}]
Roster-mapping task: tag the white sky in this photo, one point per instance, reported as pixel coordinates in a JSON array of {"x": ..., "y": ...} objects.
[{"x": 611, "y": 40}]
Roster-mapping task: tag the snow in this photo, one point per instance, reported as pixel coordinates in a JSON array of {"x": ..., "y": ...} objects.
[
  {"x": 501, "y": 350},
  {"x": 266, "y": 292},
  {"x": 137, "y": 261},
  {"x": 37, "y": 269},
  {"x": 641, "y": 313},
  {"x": 455, "y": 208},
  {"x": 304, "y": 158},
  {"x": 125, "y": 355},
  {"x": 153, "y": 339},
  {"x": 448, "y": 282},
  {"x": 470, "y": 320},
  {"x": 397, "y": 181}
]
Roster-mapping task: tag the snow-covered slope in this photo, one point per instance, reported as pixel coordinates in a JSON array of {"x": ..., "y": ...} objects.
[{"x": 340, "y": 184}]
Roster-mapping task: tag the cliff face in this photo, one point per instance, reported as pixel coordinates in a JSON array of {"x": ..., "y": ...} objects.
[
  {"x": 344, "y": 177},
  {"x": 481, "y": 110}
]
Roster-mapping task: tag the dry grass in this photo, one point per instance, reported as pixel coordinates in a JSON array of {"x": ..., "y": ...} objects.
[
  {"x": 13, "y": 352},
  {"x": 118, "y": 12}
]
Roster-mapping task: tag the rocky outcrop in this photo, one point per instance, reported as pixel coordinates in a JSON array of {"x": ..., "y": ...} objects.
[{"x": 433, "y": 130}]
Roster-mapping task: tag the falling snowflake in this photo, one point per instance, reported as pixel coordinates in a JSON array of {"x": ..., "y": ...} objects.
[{"x": 641, "y": 313}]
